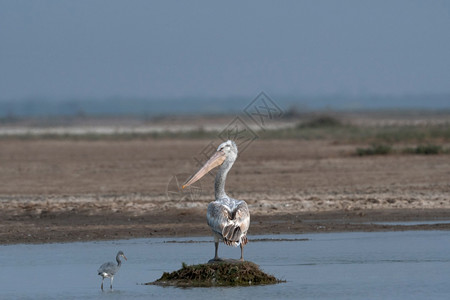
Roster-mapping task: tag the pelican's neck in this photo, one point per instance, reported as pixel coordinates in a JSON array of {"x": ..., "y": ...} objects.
[
  {"x": 221, "y": 176},
  {"x": 119, "y": 262}
]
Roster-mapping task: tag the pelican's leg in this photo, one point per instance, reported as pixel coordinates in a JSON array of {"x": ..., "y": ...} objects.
[
  {"x": 242, "y": 252},
  {"x": 112, "y": 278},
  {"x": 216, "y": 246},
  {"x": 103, "y": 278}
]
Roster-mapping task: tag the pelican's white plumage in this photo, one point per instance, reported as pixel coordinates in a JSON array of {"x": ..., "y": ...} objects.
[{"x": 228, "y": 218}]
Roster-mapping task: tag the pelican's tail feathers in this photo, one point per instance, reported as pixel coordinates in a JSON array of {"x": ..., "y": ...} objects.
[{"x": 232, "y": 235}]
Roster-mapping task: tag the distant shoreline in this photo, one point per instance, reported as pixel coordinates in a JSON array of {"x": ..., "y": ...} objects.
[{"x": 194, "y": 106}]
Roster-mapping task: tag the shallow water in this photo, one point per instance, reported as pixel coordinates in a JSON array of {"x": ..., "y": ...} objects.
[{"x": 380, "y": 265}]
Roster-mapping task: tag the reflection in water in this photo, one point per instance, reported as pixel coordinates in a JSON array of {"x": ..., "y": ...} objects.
[{"x": 379, "y": 265}]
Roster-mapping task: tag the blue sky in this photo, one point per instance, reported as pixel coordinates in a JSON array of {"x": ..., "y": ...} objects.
[{"x": 174, "y": 49}]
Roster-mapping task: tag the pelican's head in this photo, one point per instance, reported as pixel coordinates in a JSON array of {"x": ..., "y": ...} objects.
[
  {"x": 226, "y": 152},
  {"x": 230, "y": 149}
]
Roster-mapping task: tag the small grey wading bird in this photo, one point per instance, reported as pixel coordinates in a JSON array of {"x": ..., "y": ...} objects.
[
  {"x": 109, "y": 269},
  {"x": 228, "y": 218}
]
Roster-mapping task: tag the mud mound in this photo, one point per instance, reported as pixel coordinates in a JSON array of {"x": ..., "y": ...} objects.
[{"x": 216, "y": 274}]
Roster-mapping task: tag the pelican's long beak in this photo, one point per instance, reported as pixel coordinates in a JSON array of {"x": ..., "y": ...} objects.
[
  {"x": 125, "y": 257},
  {"x": 216, "y": 160}
]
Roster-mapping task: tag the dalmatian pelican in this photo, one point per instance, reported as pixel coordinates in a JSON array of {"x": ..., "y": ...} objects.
[{"x": 228, "y": 218}]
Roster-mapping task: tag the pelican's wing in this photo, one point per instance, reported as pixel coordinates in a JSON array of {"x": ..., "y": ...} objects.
[
  {"x": 217, "y": 216},
  {"x": 242, "y": 220},
  {"x": 232, "y": 224}
]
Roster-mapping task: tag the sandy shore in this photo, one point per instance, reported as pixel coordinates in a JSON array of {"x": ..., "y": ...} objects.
[{"x": 68, "y": 190}]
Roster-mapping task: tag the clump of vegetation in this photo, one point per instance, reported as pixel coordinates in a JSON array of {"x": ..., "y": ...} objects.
[
  {"x": 321, "y": 122},
  {"x": 376, "y": 149},
  {"x": 425, "y": 149},
  {"x": 382, "y": 149},
  {"x": 216, "y": 274},
  {"x": 292, "y": 113}
]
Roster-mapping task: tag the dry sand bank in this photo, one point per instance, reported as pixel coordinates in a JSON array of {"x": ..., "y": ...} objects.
[{"x": 66, "y": 190}]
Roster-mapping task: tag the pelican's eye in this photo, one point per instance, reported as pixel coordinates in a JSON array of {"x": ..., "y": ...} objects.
[{"x": 227, "y": 146}]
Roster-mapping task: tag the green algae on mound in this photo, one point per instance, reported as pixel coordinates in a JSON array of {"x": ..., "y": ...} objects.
[{"x": 216, "y": 274}]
